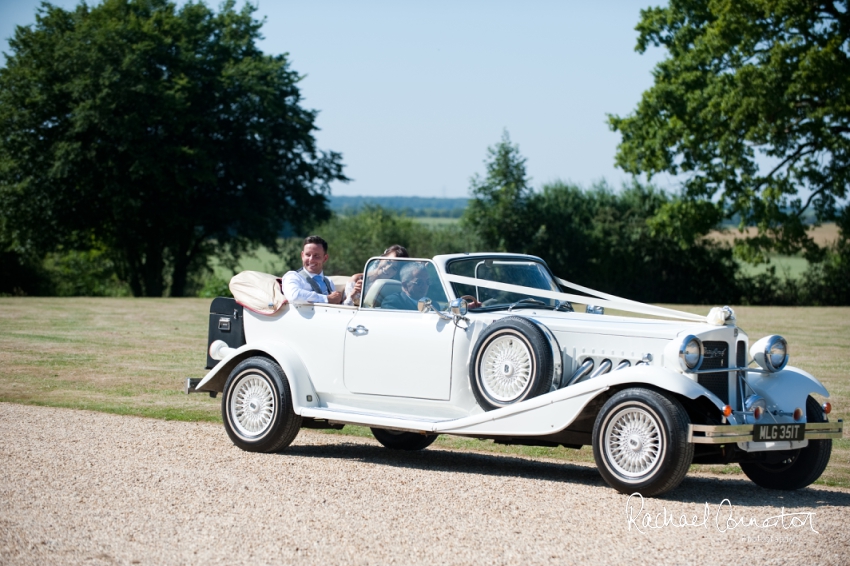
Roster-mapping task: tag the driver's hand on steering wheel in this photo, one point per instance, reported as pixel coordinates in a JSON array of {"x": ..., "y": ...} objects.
[{"x": 471, "y": 302}]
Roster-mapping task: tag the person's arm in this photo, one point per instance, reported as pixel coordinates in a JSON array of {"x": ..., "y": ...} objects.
[
  {"x": 334, "y": 297},
  {"x": 353, "y": 289},
  {"x": 297, "y": 290}
]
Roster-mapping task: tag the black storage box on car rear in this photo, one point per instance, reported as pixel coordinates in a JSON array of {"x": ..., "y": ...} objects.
[{"x": 225, "y": 324}]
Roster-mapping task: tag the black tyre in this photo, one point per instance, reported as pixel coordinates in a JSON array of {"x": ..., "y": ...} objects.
[
  {"x": 398, "y": 440},
  {"x": 640, "y": 442},
  {"x": 512, "y": 362},
  {"x": 801, "y": 467},
  {"x": 257, "y": 407}
]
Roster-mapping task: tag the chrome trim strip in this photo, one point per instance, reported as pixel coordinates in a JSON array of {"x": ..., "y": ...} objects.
[
  {"x": 728, "y": 434},
  {"x": 719, "y": 434},
  {"x": 718, "y": 370},
  {"x": 816, "y": 431}
]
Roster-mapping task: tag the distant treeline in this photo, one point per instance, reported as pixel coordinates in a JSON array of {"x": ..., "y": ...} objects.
[{"x": 415, "y": 207}]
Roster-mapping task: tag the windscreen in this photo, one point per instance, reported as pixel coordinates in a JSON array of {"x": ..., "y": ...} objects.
[{"x": 522, "y": 272}]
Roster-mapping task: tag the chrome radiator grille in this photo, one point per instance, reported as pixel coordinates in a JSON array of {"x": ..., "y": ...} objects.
[{"x": 716, "y": 356}]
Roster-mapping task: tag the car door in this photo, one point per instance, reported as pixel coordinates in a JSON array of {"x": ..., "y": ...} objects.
[{"x": 400, "y": 353}]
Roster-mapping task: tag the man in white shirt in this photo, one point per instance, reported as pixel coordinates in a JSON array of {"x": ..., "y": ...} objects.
[{"x": 308, "y": 284}]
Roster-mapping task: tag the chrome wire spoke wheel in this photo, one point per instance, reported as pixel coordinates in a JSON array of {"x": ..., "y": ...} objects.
[
  {"x": 506, "y": 368},
  {"x": 633, "y": 443},
  {"x": 252, "y": 405}
]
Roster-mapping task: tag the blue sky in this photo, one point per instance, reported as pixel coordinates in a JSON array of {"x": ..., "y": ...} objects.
[{"x": 413, "y": 93}]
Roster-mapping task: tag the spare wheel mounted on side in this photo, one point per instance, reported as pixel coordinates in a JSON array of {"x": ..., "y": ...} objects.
[{"x": 511, "y": 362}]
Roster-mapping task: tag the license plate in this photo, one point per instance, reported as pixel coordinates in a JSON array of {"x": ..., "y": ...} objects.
[{"x": 772, "y": 432}]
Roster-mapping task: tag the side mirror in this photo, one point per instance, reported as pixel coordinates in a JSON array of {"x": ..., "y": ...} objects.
[
  {"x": 459, "y": 307},
  {"x": 424, "y": 305},
  {"x": 594, "y": 310}
]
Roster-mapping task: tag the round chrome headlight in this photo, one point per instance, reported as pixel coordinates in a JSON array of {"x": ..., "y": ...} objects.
[
  {"x": 690, "y": 353},
  {"x": 776, "y": 354},
  {"x": 771, "y": 353}
]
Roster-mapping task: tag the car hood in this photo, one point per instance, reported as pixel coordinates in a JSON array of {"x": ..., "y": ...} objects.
[{"x": 616, "y": 325}]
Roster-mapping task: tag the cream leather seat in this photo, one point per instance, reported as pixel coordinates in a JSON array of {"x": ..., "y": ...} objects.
[
  {"x": 339, "y": 281},
  {"x": 380, "y": 290}
]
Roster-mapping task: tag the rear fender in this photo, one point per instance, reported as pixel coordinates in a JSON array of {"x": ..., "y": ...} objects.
[{"x": 290, "y": 362}]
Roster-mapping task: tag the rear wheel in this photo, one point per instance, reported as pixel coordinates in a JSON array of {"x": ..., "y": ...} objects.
[
  {"x": 802, "y": 467},
  {"x": 397, "y": 440},
  {"x": 640, "y": 442},
  {"x": 257, "y": 407}
]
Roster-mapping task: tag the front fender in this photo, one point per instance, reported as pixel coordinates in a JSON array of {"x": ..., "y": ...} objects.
[
  {"x": 786, "y": 389},
  {"x": 659, "y": 377},
  {"x": 286, "y": 357},
  {"x": 555, "y": 411}
]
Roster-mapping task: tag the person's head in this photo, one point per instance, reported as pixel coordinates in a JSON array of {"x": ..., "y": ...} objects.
[
  {"x": 388, "y": 269},
  {"x": 314, "y": 254},
  {"x": 395, "y": 251},
  {"x": 414, "y": 280}
]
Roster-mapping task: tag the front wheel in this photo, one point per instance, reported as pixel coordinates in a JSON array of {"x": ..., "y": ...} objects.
[
  {"x": 397, "y": 440},
  {"x": 640, "y": 442},
  {"x": 802, "y": 467},
  {"x": 257, "y": 407}
]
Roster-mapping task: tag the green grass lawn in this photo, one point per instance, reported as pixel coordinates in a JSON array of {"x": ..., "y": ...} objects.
[
  {"x": 131, "y": 356},
  {"x": 790, "y": 266}
]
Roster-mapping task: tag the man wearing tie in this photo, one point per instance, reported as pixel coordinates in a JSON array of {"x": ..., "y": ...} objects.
[{"x": 308, "y": 284}]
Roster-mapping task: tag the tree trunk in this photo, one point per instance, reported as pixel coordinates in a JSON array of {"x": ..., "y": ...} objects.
[
  {"x": 180, "y": 274},
  {"x": 153, "y": 268}
]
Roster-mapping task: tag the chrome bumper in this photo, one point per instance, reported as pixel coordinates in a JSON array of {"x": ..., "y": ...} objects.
[{"x": 729, "y": 434}]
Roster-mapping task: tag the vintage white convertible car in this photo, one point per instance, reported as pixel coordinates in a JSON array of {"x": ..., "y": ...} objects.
[{"x": 490, "y": 346}]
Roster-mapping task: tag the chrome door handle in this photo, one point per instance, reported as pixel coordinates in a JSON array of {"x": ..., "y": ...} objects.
[{"x": 359, "y": 329}]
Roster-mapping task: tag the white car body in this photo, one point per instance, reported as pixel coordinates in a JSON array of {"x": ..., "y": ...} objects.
[{"x": 411, "y": 371}]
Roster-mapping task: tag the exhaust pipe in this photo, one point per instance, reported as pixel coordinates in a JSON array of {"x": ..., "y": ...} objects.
[
  {"x": 604, "y": 367},
  {"x": 585, "y": 368}
]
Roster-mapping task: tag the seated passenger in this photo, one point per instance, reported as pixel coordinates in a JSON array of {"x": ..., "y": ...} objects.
[
  {"x": 414, "y": 285},
  {"x": 379, "y": 270},
  {"x": 309, "y": 284}
]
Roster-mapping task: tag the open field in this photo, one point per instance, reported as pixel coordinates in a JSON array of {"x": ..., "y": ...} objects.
[
  {"x": 261, "y": 260},
  {"x": 790, "y": 266},
  {"x": 436, "y": 222},
  {"x": 823, "y": 235},
  {"x": 131, "y": 356}
]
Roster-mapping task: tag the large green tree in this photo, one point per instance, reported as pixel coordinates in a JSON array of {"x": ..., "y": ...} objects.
[
  {"x": 751, "y": 108},
  {"x": 498, "y": 209},
  {"x": 160, "y": 132}
]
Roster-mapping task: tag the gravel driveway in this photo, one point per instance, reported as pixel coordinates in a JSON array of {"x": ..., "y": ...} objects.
[{"x": 86, "y": 488}]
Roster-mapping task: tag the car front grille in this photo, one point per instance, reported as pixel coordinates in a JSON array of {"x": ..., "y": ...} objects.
[{"x": 716, "y": 355}]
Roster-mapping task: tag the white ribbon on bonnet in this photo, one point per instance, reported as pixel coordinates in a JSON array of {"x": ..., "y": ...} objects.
[{"x": 718, "y": 316}]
